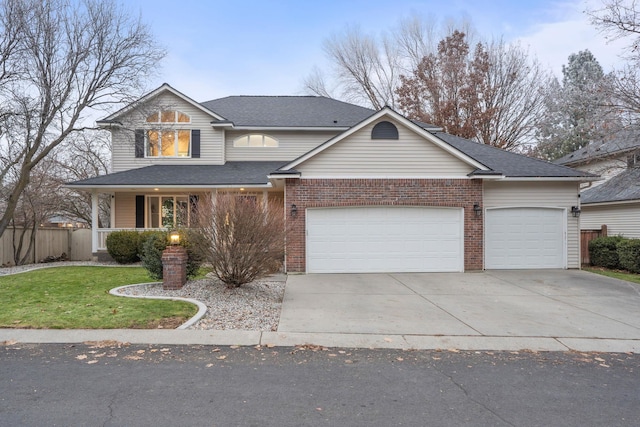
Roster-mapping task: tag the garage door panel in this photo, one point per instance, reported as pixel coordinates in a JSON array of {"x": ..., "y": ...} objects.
[
  {"x": 384, "y": 239},
  {"x": 519, "y": 238}
]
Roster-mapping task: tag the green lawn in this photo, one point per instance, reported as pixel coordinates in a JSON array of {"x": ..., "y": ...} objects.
[
  {"x": 629, "y": 277},
  {"x": 78, "y": 298}
]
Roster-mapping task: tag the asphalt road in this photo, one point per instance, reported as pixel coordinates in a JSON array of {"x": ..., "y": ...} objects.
[{"x": 111, "y": 384}]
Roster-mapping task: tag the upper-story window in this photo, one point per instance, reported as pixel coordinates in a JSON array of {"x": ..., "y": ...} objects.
[
  {"x": 168, "y": 142},
  {"x": 384, "y": 130},
  {"x": 168, "y": 116},
  {"x": 255, "y": 140}
]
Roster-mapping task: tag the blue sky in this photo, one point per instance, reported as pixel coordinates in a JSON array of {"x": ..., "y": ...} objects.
[{"x": 218, "y": 48}]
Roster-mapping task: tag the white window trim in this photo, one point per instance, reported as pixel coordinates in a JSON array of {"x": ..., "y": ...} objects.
[
  {"x": 159, "y": 213},
  {"x": 175, "y": 117},
  {"x": 175, "y": 144},
  {"x": 247, "y": 137}
]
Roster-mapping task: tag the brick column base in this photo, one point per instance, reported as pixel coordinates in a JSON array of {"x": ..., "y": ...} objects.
[{"x": 174, "y": 267}]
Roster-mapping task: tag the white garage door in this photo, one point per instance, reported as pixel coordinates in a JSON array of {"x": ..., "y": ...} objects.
[
  {"x": 384, "y": 239},
  {"x": 520, "y": 238}
]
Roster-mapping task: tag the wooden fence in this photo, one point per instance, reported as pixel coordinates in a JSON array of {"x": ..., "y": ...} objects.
[
  {"x": 50, "y": 242},
  {"x": 585, "y": 237}
]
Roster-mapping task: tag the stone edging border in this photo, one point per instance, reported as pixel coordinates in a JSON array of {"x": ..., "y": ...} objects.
[{"x": 202, "y": 309}]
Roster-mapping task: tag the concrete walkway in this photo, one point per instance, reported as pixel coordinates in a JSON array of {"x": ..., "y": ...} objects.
[{"x": 498, "y": 310}]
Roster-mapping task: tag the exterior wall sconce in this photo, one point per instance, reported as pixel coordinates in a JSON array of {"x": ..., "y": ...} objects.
[
  {"x": 294, "y": 210},
  {"x": 477, "y": 210},
  {"x": 575, "y": 211},
  {"x": 174, "y": 238}
]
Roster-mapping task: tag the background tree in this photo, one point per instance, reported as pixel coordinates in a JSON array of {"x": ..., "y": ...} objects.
[
  {"x": 491, "y": 95},
  {"x": 59, "y": 60},
  {"x": 577, "y": 110},
  {"x": 365, "y": 68},
  {"x": 81, "y": 156}
]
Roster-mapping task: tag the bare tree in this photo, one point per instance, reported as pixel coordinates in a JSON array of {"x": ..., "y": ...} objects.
[
  {"x": 245, "y": 239},
  {"x": 619, "y": 19},
  {"x": 81, "y": 156},
  {"x": 490, "y": 95},
  {"x": 67, "y": 58},
  {"x": 366, "y": 68}
]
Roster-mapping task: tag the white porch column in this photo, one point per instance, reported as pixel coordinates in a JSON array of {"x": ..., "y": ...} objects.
[
  {"x": 265, "y": 200},
  {"x": 112, "y": 210},
  {"x": 94, "y": 221}
]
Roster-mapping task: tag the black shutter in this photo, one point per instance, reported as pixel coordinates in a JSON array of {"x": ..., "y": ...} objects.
[
  {"x": 139, "y": 143},
  {"x": 195, "y": 143},
  {"x": 139, "y": 211}
]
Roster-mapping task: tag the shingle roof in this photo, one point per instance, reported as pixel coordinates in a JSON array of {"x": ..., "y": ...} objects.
[
  {"x": 231, "y": 173},
  {"x": 624, "y": 186},
  {"x": 611, "y": 144},
  {"x": 508, "y": 163},
  {"x": 288, "y": 111}
]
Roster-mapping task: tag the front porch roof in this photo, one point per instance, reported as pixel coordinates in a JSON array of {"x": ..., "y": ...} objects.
[{"x": 229, "y": 174}]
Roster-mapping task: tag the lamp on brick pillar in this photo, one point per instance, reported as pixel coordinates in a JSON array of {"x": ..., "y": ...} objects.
[{"x": 174, "y": 264}]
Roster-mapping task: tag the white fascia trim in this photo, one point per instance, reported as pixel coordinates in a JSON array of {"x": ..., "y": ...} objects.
[
  {"x": 282, "y": 176},
  {"x": 386, "y": 111},
  {"x": 165, "y": 187},
  {"x": 614, "y": 203},
  {"x": 487, "y": 177},
  {"x": 465, "y": 177},
  {"x": 290, "y": 128},
  {"x": 163, "y": 88}
]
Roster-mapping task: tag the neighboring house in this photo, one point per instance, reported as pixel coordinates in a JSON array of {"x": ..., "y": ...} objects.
[
  {"x": 365, "y": 191},
  {"x": 613, "y": 201}
]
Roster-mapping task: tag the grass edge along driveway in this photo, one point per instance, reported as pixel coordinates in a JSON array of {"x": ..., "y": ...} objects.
[{"x": 78, "y": 298}]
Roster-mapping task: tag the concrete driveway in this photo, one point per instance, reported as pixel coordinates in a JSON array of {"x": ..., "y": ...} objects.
[{"x": 541, "y": 309}]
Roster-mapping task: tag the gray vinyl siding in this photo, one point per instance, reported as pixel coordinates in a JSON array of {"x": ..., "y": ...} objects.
[
  {"x": 358, "y": 156},
  {"x": 540, "y": 194},
  {"x": 291, "y": 145},
  {"x": 125, "y": 210},
  {"x": 607, "y": 169},
  {"x": 211, "y": 140},
  {"x": 623, "y": 219}
]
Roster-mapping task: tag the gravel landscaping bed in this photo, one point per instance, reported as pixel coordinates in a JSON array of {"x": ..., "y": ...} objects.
[{"x": 254, "y": 306}]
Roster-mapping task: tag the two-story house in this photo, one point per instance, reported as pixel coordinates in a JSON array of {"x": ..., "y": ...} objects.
[
  {"x": 614, "y": 200},
  {"x": 364, "y": 190}
]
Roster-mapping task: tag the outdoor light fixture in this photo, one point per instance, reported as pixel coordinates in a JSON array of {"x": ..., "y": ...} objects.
[
  {"x": 575, "y": 211},
  {"x": 294, "y": 210},
  {"x": 477, "y": 209},
  {"x": 174, "y": 238}
]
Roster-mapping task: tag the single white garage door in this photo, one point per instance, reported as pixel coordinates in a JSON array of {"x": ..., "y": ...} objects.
[
  {"x": 384, "y": 239},
  {"x": 520, "y": 238}
]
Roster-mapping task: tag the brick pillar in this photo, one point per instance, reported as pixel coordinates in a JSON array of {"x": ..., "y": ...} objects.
[{"x": 174, "y": 267}]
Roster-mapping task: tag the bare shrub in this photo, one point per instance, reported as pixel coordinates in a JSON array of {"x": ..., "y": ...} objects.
[{"x": 245, "y": 238}]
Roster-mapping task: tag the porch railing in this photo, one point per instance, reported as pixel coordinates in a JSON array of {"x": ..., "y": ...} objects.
[{"x": 104, "y": 232}]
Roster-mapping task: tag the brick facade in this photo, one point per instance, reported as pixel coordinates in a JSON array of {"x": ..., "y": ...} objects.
[
  {"x": 317, "y": 193},
  {"x": 174, "y": 267}
]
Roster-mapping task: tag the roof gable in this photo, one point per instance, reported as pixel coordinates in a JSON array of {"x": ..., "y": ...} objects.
[
  {"x": 400, "y": 121},
  {"x": 622, "y": 187},
  {"x": 613, "y": 144},
  {"x": 155, "y": 94}
]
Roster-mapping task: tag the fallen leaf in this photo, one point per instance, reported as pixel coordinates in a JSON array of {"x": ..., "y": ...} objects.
[
  {"x": 165, "y": 349},
  {"x": 209, "y": 365},
  {"x": 81, "y": 356},
  {"x": 215, "y": 350},
  {"x": 348, "y": 361},
  {"x": 604, "y": 365},
  {"x": 10, "y": 342},
  {"x": 454, "y": 350},
  {"x": 399, "y": 359},
  {"x": 332, "y": 355},
  {"x": 233, "y": 347},
  {"x": 91, "y": 362},
  {"x": 221, "y": 357},
  {"x": 270, "y": 345},
  {"x": 599, "y": 359},
  {"x": 140, "y": 351}
]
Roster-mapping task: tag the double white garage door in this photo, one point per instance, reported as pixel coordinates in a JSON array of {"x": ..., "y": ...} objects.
[{"x": 427, "y": 239}]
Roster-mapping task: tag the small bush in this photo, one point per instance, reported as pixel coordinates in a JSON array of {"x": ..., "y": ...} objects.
[
  {"x": 603, "y": 252},
  {"x": 123, "y": 246},
  {"x": 151, "y": 255},
  {"x": 155, "y": 242},
  {"x": 629, "y": 255}
]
